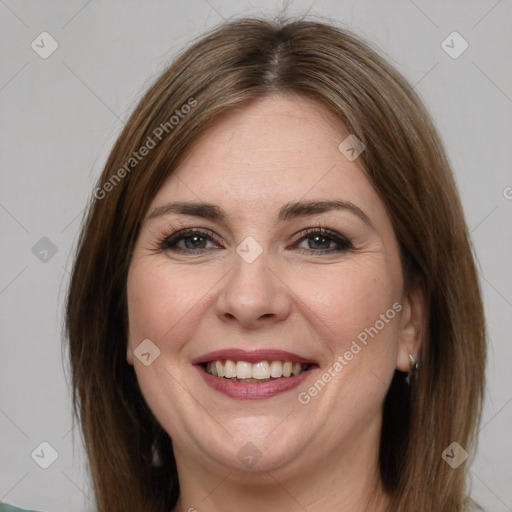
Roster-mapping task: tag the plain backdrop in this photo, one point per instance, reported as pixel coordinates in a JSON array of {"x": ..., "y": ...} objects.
[{"x": 61, "y": 114}]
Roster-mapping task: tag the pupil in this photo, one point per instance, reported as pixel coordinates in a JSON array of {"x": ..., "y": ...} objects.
[
  {"x": 324, "y": 245},
  {"x": 194, "y": 242}
]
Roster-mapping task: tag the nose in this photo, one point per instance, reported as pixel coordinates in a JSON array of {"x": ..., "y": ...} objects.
[{"x": 252, "y": 295}]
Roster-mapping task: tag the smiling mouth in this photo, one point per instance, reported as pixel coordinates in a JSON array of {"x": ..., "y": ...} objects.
[{"x": 259, "y": 372}]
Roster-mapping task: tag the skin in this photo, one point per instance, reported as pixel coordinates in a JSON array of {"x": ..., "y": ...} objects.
[{"x": 322, "y": 455}]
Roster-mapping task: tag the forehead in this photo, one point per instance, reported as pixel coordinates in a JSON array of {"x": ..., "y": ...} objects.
[{"x": 273, "y": 150}]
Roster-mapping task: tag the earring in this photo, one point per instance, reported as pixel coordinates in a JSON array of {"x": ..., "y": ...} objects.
[
  {"x": 157, "y": 461},
  {"x": 413, "y": 373}
]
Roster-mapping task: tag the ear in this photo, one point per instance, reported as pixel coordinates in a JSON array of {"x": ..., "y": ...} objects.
[
  {"x": 411, "y": 327},
  {"x": 129, "y": 353}
]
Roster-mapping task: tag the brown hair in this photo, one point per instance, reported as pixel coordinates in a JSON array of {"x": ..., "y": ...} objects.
[{"x": 405, "y": 161}]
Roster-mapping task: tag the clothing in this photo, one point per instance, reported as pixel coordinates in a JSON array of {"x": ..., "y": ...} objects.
[{"x": 4, "y": 507}]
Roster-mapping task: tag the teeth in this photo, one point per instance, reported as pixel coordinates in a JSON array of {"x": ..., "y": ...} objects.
[
  {"x": 276, "y": 369},
  {"x": 287, "y": 369},
  {"x": 220, "y": 369},
  {"x": 297, "y": 368},
  {"x": 243, "y": 370},
  {"x": 262, "y": 370},
  {"x": 229, "y": 369}
]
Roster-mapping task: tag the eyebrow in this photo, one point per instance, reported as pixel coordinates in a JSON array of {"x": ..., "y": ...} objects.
[{"x": 289, "y": 211}]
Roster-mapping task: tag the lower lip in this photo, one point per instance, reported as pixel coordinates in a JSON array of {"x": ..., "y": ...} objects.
[{"x": 253, "y": 390}]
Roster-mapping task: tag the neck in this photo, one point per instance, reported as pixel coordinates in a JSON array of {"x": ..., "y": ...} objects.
[{"x": 346, "y": 480}]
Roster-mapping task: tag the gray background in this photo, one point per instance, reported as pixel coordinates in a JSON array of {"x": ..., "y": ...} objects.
[{"x": 60, "y": 116}]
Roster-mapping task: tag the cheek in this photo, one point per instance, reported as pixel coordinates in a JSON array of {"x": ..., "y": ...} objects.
[
  {"x": 356, "y": 310},
  {"x": 354, "y": 303},
  {"x": 159, "y": 301},
  {"x": 164, "y": 305}
]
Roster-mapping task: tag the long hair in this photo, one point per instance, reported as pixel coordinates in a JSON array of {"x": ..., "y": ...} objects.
[{"x": 404, "y": 160}]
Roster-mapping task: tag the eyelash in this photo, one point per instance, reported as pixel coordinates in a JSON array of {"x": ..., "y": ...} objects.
[{"x": 169, "y": 243}]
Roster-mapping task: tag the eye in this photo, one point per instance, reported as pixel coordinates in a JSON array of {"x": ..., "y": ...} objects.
[
  {"x": 196, "y": 241},
  {"x": 188, "y": 241},
  {"x": 323, "y": 240}
]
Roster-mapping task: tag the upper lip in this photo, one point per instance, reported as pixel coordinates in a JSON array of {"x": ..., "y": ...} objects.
[{"x": 251, "y": 356}]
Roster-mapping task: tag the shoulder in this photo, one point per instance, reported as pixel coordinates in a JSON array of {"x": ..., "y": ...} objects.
[{"x": 4, "y": 507}]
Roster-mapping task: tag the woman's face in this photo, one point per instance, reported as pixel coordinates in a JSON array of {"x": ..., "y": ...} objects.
[{"x": 292, "y": 259}]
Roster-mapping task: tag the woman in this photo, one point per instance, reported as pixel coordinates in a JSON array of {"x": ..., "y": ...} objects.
[{"x": 274, "y": 304}]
